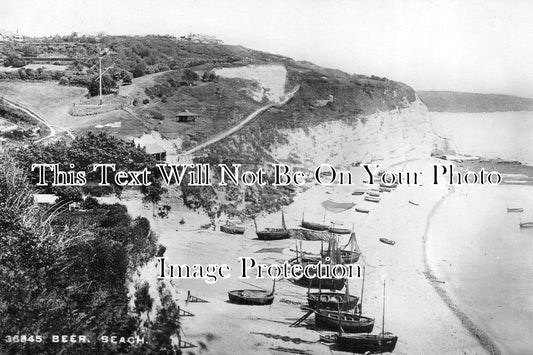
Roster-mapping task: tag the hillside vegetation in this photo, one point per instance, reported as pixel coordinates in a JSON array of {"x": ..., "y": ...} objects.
[{"x": 451, "y": 101}]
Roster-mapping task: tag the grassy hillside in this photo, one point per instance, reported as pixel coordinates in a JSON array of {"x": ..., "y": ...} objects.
[{"x": 451, "y": 101}]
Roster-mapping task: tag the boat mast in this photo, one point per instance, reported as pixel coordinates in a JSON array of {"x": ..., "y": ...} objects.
[
  {"x": 362, "y": 290},
  {"x": 255, "y": 224},
  {"x": 383, "y": 320},
  {"x": 283, "y": 219}
]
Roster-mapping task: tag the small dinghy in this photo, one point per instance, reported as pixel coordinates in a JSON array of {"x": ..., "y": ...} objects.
[
  {"x": 362, "y": 210},
  {"x": 373, "y": 193},
  {"x": 252, "y": 297},
  {"x": 387, "y": 241},
  {"x": 413, "y": 203},
  {"x": 515, "y": 209},
  {"x": 372, "y": 198},
  {"x": 332, "y": 300},
  {"x": 231, "y": 228},
  {"x": 358, "y": 192}
]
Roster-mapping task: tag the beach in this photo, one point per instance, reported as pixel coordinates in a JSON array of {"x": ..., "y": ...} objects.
[{"x": 415, "y": 312}]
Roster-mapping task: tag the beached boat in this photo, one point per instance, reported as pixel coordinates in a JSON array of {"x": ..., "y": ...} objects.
[
  {"x": 252, "y": 297},
  {"x": 351, "y": 323},
  {"x": 515, "y": 209},
  {"x": 413, "y": 203},
  {"x": 313, "y": 225},
  {"x": 335, "y": 230},
  {"x": 372, "y": 198},
  {"x": 387, "y": 241},
  {"x": 373, "y": 193},
  {"x": 362, "y": 343},
  {"x": 385, "y": 189},
  {"x": 325, "y": 283},
  {"x": 362, "y": 210},
  {"x": 231, "y": 228},
  {"x": 273, "y": 233},
  {"x": 384, "y": 342},
  {"x": 388, "y": 185},
  {"x": 526, "y": 224},
  {"x": 332, "y": 300},
  {"x": 358, "y": 192}
]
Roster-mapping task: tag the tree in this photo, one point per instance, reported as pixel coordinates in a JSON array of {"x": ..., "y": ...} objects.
[
  {"x": 108, "y": 85},
  {"x": 139, "y": 70},
  {"x": 190, "y": 76}
]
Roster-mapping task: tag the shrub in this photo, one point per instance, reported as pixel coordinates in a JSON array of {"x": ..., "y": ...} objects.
[{"x": 156, "y": 115}]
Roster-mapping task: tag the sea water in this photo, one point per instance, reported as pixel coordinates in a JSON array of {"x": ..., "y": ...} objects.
[
  {"x": 484, "y": 258},
  {"x": 506, "y": 135}
]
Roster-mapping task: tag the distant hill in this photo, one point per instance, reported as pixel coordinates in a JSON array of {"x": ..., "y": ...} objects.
[{"x": 452, "y": 101}]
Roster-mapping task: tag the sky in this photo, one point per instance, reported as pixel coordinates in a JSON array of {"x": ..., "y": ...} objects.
[{"x": 469, "y": 45}]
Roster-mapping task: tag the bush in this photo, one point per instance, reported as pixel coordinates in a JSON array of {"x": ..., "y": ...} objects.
[
  {"x": 64, "y": 81},
  {"x": 156, "y": 115},
  {"x": 146, "y": 101},
  {"x": 89, "y": 203}
]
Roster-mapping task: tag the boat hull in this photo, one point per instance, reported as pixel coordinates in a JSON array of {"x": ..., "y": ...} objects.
[
  {"x": 332, "y": 301},
  {"x": 361, "y": 343},
  {"x": 314, "y": 226},
  {"x": 273, "y": 234},
  {"x": 351, "y": 323},
  {"x": 251, "y": 297},
  {"x": 328, "y": 284},
  {"x": 339, "y": 230},
  {"x": 232, "y": 229}
]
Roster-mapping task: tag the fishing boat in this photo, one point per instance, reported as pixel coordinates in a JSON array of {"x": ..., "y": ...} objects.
[
  {"x": 252, "y": 297},
  {"x": 384, "y": 189},
  {"x": 515, "y": 209},
  {"x": 273, "y": 233},
  {"x": 362, "y": 210},
  {"x": 358, "y": 192},
  {"x": 336, "y": 230},
  {"x": 345, "y": 255},
  {"x": 314, "y": 282},
  {"x": 326, "y": 283},
  {"x": 332, "y": 300},
  {"x": 349, "y": 322},
  {"x": 373, "y": 193},
  {"x": 313, "y": 225},
  {"x": 231, "y": 228},
  {"x": 387, "y": 241},
  {"x": 372, "y": 198},
  {"x": 384, "y": 342},
  {"x": 526, "y": 224}
]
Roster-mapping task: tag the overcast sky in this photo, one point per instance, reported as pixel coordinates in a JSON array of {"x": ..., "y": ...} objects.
[{"x": 477, "y": 46}]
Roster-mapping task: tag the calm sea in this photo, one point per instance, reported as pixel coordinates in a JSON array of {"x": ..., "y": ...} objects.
[
  {"x": 506, "y": 135},
  {"x": 484, "y": 257}
]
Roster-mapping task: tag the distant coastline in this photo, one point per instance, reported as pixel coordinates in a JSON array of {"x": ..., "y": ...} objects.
[{"x": 453, "y": 101}]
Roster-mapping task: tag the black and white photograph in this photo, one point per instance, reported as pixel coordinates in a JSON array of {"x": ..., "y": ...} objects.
[{"x": 221, "y": 177}]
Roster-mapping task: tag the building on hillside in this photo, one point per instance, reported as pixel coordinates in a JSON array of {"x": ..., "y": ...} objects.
[
  {"x": 159, "y": 153},
  {"x": 186, "y": 116},
  {"x": 45, "y": 199},
  {"x": 6, "y": 36}
]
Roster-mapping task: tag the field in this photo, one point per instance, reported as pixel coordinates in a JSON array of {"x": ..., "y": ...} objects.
[{"x": 52, "y": 102}]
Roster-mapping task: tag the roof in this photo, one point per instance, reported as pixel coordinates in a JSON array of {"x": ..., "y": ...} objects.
[
  {"x": 153, "y": 148},
  {"x": 45, "y": 198},
  {"x": 187, "y": 113}
]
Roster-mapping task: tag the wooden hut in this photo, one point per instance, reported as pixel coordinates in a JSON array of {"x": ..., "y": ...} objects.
[
  {"x": 186, "y": 116},
  {"x": 160, "y": 154}
]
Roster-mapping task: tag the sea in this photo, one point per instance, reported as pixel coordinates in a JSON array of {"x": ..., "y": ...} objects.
[{"x": 484, "y": 258}]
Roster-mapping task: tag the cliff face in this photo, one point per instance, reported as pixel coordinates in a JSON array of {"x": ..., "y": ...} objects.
[
  {"x": 385, "y": 136},
  {"x": 334, "y": 118}
]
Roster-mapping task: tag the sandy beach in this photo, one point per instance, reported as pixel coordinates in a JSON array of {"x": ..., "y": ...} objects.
[{"x": 423, "y": 321}]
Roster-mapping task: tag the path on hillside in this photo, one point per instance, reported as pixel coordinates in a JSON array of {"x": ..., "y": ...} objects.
[
  {"x": 241, "y": 124},
  {"x": 37, "y": 117}
]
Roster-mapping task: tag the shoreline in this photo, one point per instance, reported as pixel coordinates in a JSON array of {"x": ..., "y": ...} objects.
[{"x": 486, "y": 341}]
